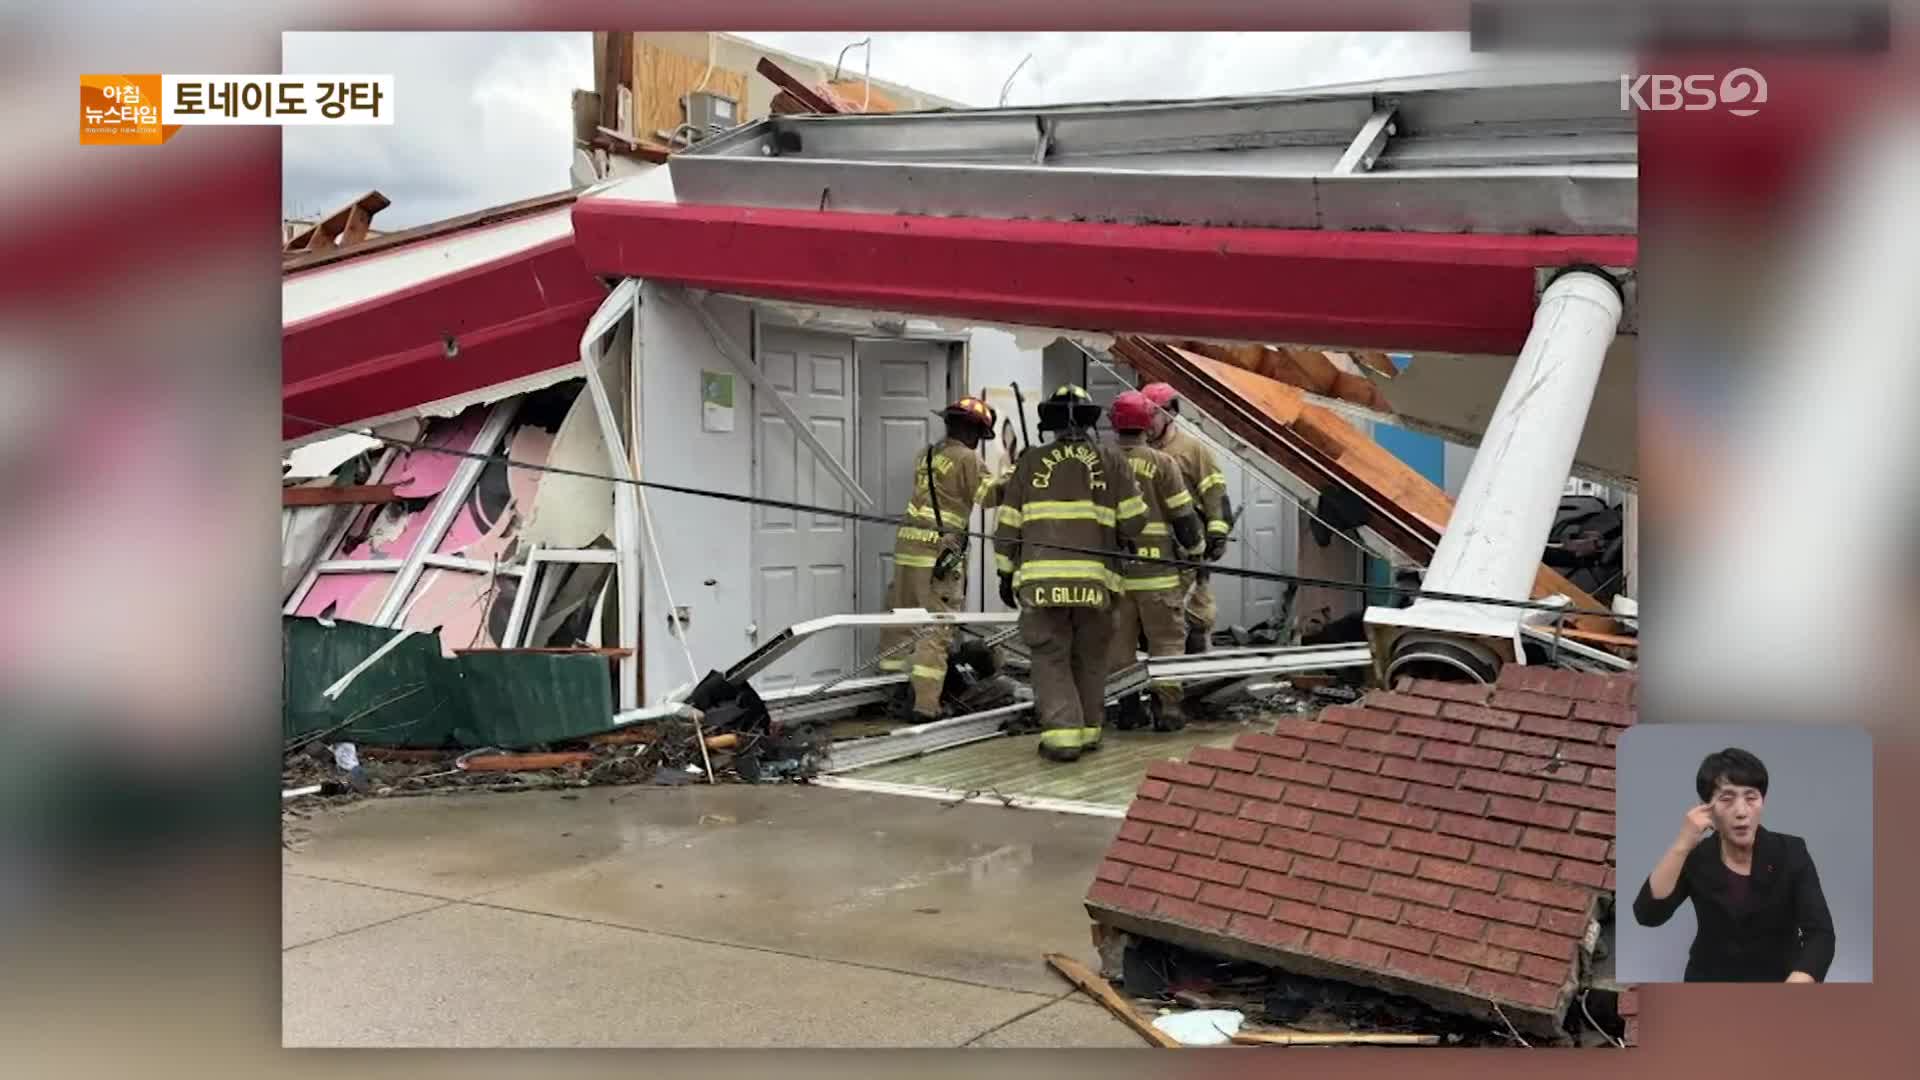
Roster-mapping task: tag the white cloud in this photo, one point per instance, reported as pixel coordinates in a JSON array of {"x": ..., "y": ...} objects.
[{"x": 485, "y": 118}]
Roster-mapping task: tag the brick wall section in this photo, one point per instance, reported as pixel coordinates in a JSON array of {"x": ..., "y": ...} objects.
[{"x": 1444, "y": 841}]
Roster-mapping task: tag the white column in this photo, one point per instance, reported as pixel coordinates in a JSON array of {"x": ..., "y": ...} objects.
[{"x": 1493, "y": 542}]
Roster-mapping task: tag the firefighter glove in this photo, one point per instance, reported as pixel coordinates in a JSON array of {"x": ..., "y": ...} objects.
[
  {"x": 1006, "y": 591},
  {"x": 1216, "y": 547}
]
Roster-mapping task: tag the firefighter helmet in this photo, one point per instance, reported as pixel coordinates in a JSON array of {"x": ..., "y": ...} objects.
[
  {"x": 1132, "y": 411},
  {"x": 1162, "y": 395},
  {"x": 1069, "y": 407},
  {"x": 973, "y": 411}
]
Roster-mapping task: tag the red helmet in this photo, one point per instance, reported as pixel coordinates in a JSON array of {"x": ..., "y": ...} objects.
[
  {"x": 1132, "y": 411},
  {"x": 1160, "y": 394}
]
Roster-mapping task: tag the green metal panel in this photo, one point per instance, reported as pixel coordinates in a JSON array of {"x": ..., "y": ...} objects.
[
  {"x": 525, "y": 699},
  {"x": 415, "y": 697}
]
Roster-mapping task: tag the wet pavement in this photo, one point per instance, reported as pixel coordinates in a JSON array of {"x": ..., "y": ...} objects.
[{"x": 728, "y": 916}]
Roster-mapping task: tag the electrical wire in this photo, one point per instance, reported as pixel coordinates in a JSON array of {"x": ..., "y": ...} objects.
[
  {"x": 1621, "y": 1043},
  {"x": 900, "y": 520}
]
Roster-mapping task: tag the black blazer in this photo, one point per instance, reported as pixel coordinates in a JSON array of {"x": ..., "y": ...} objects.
[{"x": 1783, "y": 928}]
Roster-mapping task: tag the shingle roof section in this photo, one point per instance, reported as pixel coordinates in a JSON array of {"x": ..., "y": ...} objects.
[{"x": 1443, "y": 841}]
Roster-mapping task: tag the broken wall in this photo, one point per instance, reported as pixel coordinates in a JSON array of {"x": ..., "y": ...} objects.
[{"x": 701, "y": 540}]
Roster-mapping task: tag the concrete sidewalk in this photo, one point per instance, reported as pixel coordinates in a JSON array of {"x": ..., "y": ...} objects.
[{"x": 688, "y": 917}]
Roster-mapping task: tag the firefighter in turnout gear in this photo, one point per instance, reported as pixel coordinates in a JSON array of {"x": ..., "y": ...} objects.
[
  {"x": 1072, "y": 493},
  {"x": 1209, "y": 487},
  {"x": 930, "y": 548},
  {"x": 1152, "y": 599}
]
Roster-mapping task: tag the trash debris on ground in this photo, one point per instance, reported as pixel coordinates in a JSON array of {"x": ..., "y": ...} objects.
[
  {"x": 1206, "y": 1027},
  {"x": 1309, "y": 1011}
]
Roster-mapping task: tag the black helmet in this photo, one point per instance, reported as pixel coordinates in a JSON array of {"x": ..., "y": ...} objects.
[{"x": 1069, "y": 407}]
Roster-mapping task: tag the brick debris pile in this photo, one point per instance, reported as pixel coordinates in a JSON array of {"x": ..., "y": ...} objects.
[{"x": 1447, "y": 842}]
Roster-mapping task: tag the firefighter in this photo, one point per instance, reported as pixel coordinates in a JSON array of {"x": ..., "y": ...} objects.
[
  {"x": 1064, "y": 502},
  {"x": 930, "y": 549},
  {"x": 1152, "y": 599},
  {"x": 1209, "y": 487}
]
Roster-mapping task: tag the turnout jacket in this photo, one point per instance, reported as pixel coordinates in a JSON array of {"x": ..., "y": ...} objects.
[
  {"x": 1071, "y": 493},
  {"x": 1202, "y": 474},
  {"x": 962, "y": 482},
  {"x": 1173, "y": 529}
]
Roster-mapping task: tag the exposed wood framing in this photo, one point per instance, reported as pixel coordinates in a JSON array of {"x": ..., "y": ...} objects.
[
  {"x": 1317, "y": 371},
  {"x": 362, "y": 494},
  {"x": 344, "y": 227},
  {"x": 1318, "y": 446}
]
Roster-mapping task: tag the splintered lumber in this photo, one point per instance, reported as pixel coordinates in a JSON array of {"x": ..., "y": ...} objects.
[
  {"x": 1615, "y": 641},
  {"x": 807, "y": 96},
  {"x": 1105, "y": 994},
  {"x": 723, "y": 742},
  {"x": 525, "y": 762},
  {"x": 337, "y": 495},
  {"x": 1335, "y": 1038}
]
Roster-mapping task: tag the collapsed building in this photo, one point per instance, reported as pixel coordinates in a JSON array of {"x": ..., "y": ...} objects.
[{"x": 700, "y": 368}]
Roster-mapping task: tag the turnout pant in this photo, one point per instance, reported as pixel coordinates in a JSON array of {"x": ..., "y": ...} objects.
[
  {"x": 1199, "y": 603},
  {"x": 926, "y": 665},
  {"x": 1158, "y": 613},
  {"x": 1070, "y": 648}
]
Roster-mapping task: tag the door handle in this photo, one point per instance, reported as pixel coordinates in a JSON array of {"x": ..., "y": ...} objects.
[{"x": 753, "y": 631}]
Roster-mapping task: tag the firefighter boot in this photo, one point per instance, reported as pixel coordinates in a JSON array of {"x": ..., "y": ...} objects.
[
  {"x": 1129, "y": 713},
  {"x": 1169, "y": 714},
  {"x": 1061, "y": 754},
  {"x": 1197, "y": 641}
]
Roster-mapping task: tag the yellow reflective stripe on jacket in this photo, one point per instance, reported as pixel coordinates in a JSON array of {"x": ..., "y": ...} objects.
[
  {"x": 1184, "y": 498},
  {"x": 920, "y": 536},
  {"x": 1064, "y": 570},
  {"x": 1217, "y": 527},
  {"x": 1068, "y": 510},
  {"x": 1011, "y": 517},
  {"x": 1211, "y": 481},
  {"x": 1003, "y": 564},
  {"x": 952, "y": 519},
  {"x": 1132, "y": 507},
  {"x": 1151, "y": 584},
  {"x": 893, "y": 665},
  {"x": 984, "y": 493},
  {"x": 917, "y": 562},
  {"x": 922, "y": 671},
  {"x": 1156, "y": 528}
]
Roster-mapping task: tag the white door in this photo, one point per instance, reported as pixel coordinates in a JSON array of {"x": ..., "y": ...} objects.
[
  {"x": 902, "y": 385},
  {"x": 1267, "y": 533},
  {"x": 804, "y": 561}
]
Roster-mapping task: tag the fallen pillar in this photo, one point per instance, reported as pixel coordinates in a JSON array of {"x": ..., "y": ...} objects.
[{"x": 1500, "y": 523}]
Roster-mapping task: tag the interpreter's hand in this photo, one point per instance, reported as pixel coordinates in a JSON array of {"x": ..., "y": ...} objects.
[
  {"x": 1006, "y": 591},
  {"x": 1800, "y": 977},
  {"x": 1698, "y": 823}
]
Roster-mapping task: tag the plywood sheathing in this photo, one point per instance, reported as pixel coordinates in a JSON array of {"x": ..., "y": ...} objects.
[{"x": 661, "y": 78}]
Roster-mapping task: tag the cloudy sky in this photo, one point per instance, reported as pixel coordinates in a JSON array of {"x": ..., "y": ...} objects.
[{"x": 483, "y": 118}]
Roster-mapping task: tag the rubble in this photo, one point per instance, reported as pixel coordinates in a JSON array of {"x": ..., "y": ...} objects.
[{"x": 1448, "y": 843}]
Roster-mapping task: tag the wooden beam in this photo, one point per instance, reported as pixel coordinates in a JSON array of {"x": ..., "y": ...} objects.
[
  {"x": 1331, "y": 1038},
  {"x": 1097, "y": 988},
  {"x": 358, "y": 494},
  {"x": 804, "y": 94}
]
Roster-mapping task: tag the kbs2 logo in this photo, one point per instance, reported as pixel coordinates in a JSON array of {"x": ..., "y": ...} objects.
[{"x": 1740, "y": 91}]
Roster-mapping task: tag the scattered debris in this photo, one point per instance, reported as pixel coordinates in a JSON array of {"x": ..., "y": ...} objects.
[
  {"x": 1208, "y": 1027},
  {"x": 1101, "y": 991}
]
